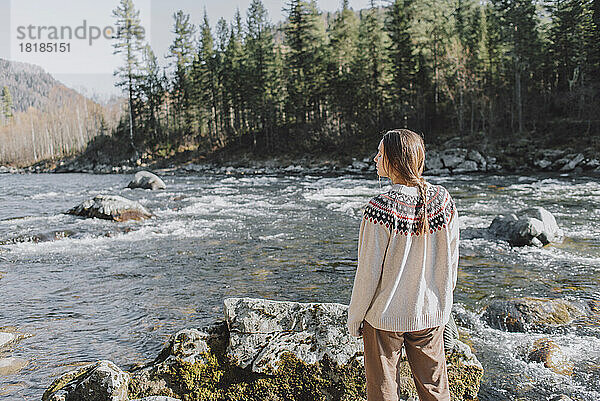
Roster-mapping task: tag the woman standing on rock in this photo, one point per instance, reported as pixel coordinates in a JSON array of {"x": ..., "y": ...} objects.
[{"x": 407, "y": 267}]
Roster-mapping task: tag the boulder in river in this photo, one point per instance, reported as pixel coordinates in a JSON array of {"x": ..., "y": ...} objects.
[
  {"x": 146, "y": 180},
  {"x": 533, "y": 314},
  {"x": 534, "y": 226},
  {"x": 111, "y": 207},
  {"x": 11, "y": 365},
  {"x": 7, "y": 338},
  {"x": 100, "y": 381},
  {"x": 451, "y": 158},
  {"x": 546, "y": 351}
]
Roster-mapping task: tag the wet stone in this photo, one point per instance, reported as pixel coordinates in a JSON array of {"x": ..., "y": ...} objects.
[
  {"x": 532, "y": 314},
  {"x": 100, "y": 381},
  {"x": 7, "y": 338},
  {"x": 551, "y": 355},
  {"x": 11, "y": 365},
  {"x": 146, "y": 180},
  {"x": 111, "y": 207}
]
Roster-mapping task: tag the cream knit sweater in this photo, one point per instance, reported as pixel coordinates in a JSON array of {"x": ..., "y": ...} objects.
[{"x": 404, "y": 281}]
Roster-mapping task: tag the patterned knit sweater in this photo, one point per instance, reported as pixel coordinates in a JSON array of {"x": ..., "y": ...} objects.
[{"x": 405, "y": 281}]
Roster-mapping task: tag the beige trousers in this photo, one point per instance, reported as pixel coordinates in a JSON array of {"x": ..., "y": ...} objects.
[{"x": 425, "y": 353}]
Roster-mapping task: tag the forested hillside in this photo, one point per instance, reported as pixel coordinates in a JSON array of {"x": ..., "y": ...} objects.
[
  {"x": 495, "y": 71},
  {"x": 40, "y": 118}
]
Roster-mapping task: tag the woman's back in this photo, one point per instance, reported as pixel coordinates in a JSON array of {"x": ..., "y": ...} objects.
[
  {"x": 418, "y": 272},
  {"x": 406, "y": 274}
]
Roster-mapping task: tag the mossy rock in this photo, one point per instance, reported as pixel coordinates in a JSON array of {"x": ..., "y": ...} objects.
[{"x": 219, "y": 380}]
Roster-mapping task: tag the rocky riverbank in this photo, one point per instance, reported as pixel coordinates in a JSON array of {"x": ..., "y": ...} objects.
[
  {"x": 455, "y": 158},
  {"x": 263, "y": 350}
]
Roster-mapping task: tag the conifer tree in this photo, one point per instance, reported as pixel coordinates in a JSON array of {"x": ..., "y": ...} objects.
[
  {"x": 129, "y": 37},
  {"x": 235, "y": 80},
  {"x": 259, "y": 65},
  {"x": 370, "y": 68},
  {"x": 6, "y": 103},
  {"x": 402, "y": 63},
  {"x": 204, "y": 78},
  {"x": 571, "y": 25},
  {"x": 305, "y": 62},
  {"x": 152, "y": 86},
  {"x": 181, "y": 52},
  {"x": 343, "y": 42},
  {"x": 518, "y": 28}
]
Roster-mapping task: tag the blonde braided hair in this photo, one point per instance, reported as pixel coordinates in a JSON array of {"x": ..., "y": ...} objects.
[{"x": 404, "y": 152}]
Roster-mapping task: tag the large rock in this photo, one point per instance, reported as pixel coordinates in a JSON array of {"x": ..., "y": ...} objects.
[
  {"x": 261, "y": 330},
  {"x": 550, "y": 231},
  {"x": 271, "y": 350},
  {"x": 111, "y": 207},
  {"x": 467, "y": 166},
  {"x": 477, "y": 158},
  {"x": 9, "y": 170},
  {"x": 146, "y": 180},
  {"x": 517, "y": 231},
  {"x": 11, "y": 365},
  {"x": 551, "y": 355},
  {"x": 7, "y": 338},
  {"x": 453, "y": 157},
  {"x": 186, "y": 347},
  {"x": 100, "y": 381},
  {"x": 574, "y": 162},
  {"x": 433, "y": 161},
  {"x": 535, "y": 226},
  {"x": 533, "y": 314}
]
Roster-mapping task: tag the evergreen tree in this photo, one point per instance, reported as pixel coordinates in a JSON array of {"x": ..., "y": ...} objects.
[
  {"x": 402, "y": 63},
  {"x": 181, "y": 52},
  {"x": 152, "y": 86},
  {"x": 260, "y": 58},
  {"x": 204, "y": 78},
  {"x": 569, "y": 35},
  {"x": 6, "y": 103},
  {"x": 370, "y": 68},
  {"x": 235, "y": 80},
  {"x": 343, "y": 42},
  {"x": 305, "y": 62},
  {"x": 432, "y": 30},
  {"x": 594, "y": 43},
  {"x": 517, "y": 22},
  {"x": 129, "y": 36}
]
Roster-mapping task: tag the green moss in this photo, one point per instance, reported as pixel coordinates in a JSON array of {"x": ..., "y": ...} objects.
[
  {"x": 197, "y": 381},
  {"x": 464, "y": 379},
  {"x": 220, "y": 380}
]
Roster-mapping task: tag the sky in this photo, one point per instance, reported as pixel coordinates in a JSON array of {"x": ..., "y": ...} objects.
[{"x": 69, "y": 38}]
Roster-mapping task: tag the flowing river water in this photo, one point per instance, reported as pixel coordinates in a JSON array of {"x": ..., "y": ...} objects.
[{"x": 79, "y": 290}]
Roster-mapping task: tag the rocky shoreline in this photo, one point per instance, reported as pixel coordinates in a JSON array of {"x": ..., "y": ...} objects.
[
  {"x": 449, "y": 161},
  {"x": 281, "y": 350},
  {"x": 263, "y": 350}
]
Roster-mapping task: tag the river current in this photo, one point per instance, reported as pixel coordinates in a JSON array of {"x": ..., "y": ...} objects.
[{"x": 78, "y": 290}]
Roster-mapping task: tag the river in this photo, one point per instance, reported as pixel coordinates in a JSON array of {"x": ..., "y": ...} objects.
[{"x": 80, "y": 290}]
